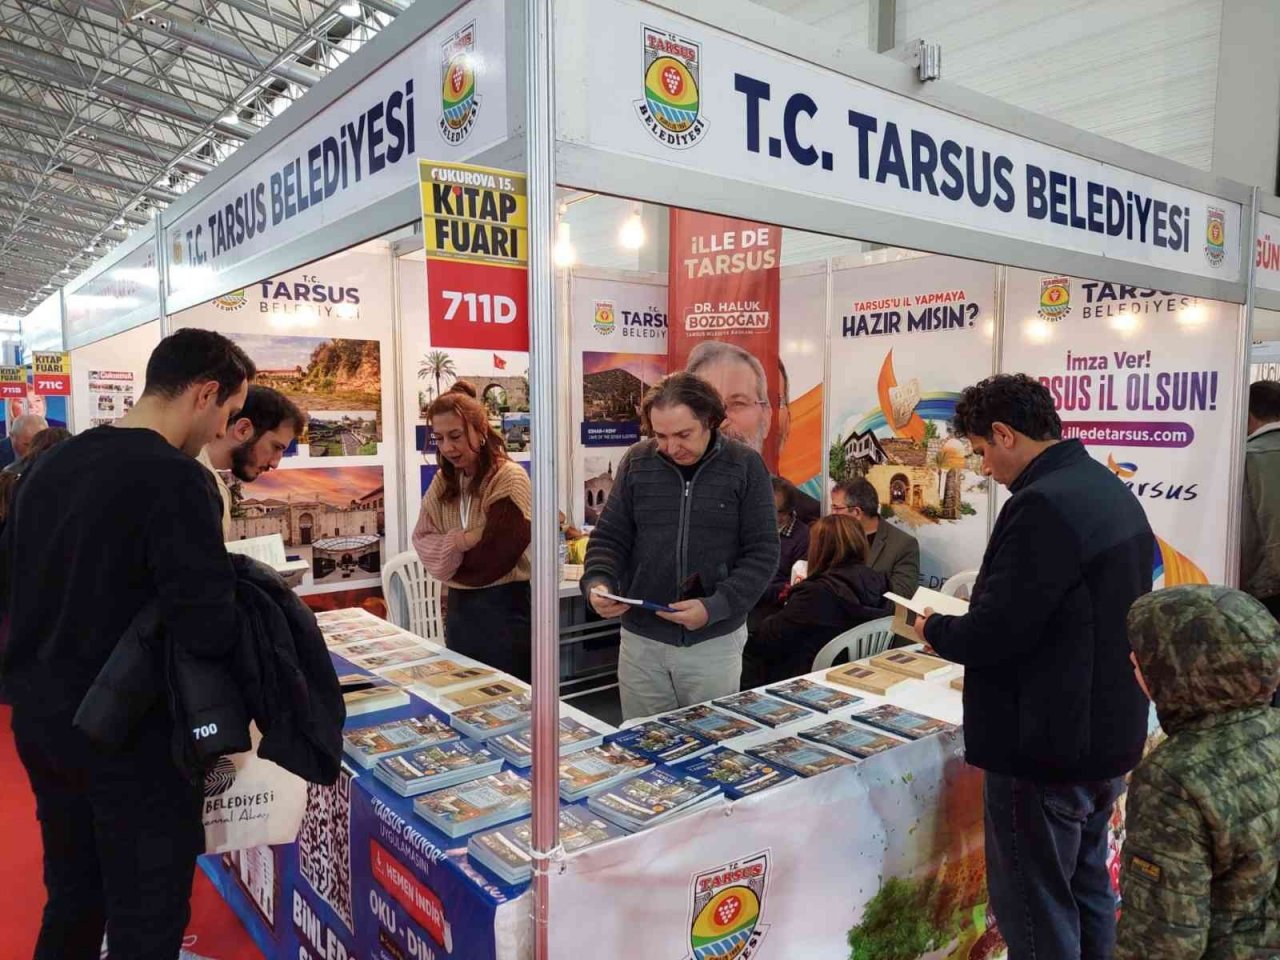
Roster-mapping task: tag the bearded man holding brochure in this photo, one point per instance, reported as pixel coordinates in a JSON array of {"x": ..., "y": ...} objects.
[
  {"x": 685, "y": 547},
  {"x": 1052, "y": 712}
]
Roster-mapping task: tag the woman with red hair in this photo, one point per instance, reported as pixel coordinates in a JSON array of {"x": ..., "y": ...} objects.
[{"x": 473, "y": 534}]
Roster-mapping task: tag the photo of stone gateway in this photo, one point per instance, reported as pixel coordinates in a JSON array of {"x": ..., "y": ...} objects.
[{"x": 332, "y": 517}]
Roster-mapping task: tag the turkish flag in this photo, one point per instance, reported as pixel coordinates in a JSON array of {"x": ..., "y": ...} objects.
[{"x": 499, "y": 363}]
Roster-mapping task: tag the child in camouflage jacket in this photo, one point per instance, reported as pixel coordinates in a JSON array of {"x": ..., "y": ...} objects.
[{"x": 1201, "y": 873}]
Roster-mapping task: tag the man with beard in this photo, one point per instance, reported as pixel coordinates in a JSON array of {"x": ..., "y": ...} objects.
[{"x": 254, "y": 443}]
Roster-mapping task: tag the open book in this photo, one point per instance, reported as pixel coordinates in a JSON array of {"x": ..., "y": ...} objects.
[
  {"x": 270, "y": 550},
  {"x": 924, "y": 599}
]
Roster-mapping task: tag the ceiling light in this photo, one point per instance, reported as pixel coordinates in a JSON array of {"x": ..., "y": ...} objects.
[
  {"x": 563, "y": 253},
  {"x": 631, "y": 235},
  {"x": 232, "y": 116},
  {"x": 350, "y": 9},
  {"x": 119, "y": 221}
]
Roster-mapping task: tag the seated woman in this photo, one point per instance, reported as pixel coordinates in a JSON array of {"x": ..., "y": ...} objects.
[{"x": 839, "y": 593}]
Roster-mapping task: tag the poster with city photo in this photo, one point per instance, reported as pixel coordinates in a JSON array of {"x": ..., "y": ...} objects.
[
  {"x": 501, "y": 382},
  {"x": 332, "y": 517},
  {"x": 612, "y": 387},
  {"x": 906, "y": 337},
  {"x": 329, "y": 378},
  {"x": 598, "y": 469}
]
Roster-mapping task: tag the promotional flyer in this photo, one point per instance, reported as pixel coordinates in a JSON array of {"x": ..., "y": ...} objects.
[
  {"x": 907, "y": 336},
  {"x": 723, "y": 302},
  {"x": 1146, "y": 380}
]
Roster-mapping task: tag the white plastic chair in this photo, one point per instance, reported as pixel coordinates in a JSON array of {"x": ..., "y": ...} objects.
[
  {"x": 962, "y": 581},
  {"x": 861, "y": 642},
  {"x": 421, "y": 595}
]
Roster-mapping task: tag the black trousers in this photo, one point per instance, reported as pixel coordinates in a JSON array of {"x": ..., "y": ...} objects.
[
  {"x": 492, "y": 625},
  {"x": 121, "y": 832}
]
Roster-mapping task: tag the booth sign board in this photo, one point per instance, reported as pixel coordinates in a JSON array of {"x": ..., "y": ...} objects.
[
  {"x": 444, "y": 96},
  {"x": 123, "y": 296},
  {"x": 671, "y": 89},
  {"x": 1267, "y": 252}
]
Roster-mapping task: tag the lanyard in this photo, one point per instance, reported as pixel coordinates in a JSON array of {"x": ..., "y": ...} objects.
[{"x": 465, "y": 509}]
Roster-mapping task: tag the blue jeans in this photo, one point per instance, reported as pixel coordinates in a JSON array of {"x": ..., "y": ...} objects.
[{"x": 1047, "y": 867}]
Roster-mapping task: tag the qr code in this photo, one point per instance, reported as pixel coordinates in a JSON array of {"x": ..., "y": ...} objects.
[{"x": 324, "y": 845}]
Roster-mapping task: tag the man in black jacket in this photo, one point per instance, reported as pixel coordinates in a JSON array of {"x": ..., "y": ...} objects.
[
  {"x": 114, "y": 519},
  {"x": 690, "y": 524},
  {"x": 1052, "y": 712}
]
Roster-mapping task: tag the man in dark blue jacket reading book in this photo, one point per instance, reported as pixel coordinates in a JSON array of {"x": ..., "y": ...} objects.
[{"x": 1052, "y": 712}]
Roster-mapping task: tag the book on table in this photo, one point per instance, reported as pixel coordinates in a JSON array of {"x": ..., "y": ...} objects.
[
  {"x": 861, "y": 676},
  {"x": 494, "y": 718},
  {"x": 661, "y": 742},
  {"x": 418, "y": 673},
  {"x": 477, "y": 805},
  {"x": 517, "y": 748},
  {"x": 505, "y": 851},
  {"x": 911, "y": 664},
  {"x": 902, "y": 723},
  {"x": 487, "y": 692},
  {"x": 392, "y": 658},
  {"x": 815, "y": 696},
  {"x": 367, "y": 745},
  {"x": 599, "y": 768},
  {"x": 453, "y": 678},
  {"x": 801, "y": 758},
  {"x": 651, "y": 798},
  {"x": 364, "y": 693},
  {"x": 850, "y": 738},
  {"x": 763, "y": 709},
  {"x": 704, "y": 721},
  {"x": 738, "y": 774},
  {"x": 437, "y": 767},
  {"x": 361, "y": 641}
]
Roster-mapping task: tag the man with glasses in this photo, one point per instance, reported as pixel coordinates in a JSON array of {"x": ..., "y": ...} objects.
[{"x": 894, "y": 552}]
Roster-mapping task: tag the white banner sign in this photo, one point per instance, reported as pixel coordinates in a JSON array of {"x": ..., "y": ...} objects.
[
  {"x": 665, "y": 87},
  {"x": 1148, "y": 381},
  {"x": 443, "y": 97},
  {"x": 1267, "y": 252},
  {"x": 907, "y": 337},
  {"x": 122, "y": 296}
]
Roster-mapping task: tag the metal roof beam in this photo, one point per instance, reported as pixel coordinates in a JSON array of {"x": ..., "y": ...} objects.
[
  {"x": 32, "y": 61},
  {"x": 42, "y": 218},
  {"x": 16, "y": 110},
  {"x": 109, "y": 181},
  {"x": 197, "y": 35},
  {"x": 24, "y": 190}
]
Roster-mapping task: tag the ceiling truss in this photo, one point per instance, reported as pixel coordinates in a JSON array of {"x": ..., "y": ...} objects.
[{"x": 112, "y": 109}]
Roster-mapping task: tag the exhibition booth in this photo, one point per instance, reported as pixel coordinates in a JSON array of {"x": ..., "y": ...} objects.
[{"x": 875, "y": 242}]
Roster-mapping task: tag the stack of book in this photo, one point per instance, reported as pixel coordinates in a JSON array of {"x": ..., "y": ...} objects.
[
  {"x": 708, "y": 723},
  {"x": 661, "y": 743},
  {"x": 367, "y": 745},
  {"x": 420, "y": 673},
  {"x": 902, "y": 723},
  {"x": 391, "y": 658},
  {"x": 769, "y": 711},
  {"x": 435, "y": 768},
  {"x": 486, "y": 692},
  {"x": 505, "y": 851},
  {"x": 478, "y": 805},
  {"x": 493, "y": 719},
  {"x": 860, "y": 675},
  {"x": 737, "y": 774},
  {"x": 850, "y": 738},
  {"x": 802, "y": 759},
  {"x": 598, "y": 769},
  {"x": 814, "y": 695},
  {"x": 458, "y": 675},
  {"x": 917, "y": 665},
  {"x": 518, "y": 747},
  {"x": 364, "y": 693},
  {"x": 652, "y": 798}
]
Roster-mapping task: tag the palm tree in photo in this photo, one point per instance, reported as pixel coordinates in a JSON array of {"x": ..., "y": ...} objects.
[{"x": 437, "y": 365}]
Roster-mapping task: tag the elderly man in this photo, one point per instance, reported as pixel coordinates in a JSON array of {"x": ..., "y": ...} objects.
[{"x": 21, "y": 432}]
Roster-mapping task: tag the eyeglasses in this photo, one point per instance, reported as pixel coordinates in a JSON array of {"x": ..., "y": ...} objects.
[{"x": 738, "y": 407}]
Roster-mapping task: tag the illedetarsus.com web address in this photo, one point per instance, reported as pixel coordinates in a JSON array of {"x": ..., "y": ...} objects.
[{"x": 1129, "y": 434}]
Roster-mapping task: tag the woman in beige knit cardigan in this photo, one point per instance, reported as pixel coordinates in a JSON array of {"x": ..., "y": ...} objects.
[{"x": 473, "y": 533}]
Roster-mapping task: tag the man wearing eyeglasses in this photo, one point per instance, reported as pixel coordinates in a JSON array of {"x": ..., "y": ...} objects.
[
  {"x": 894, "y": 552},
  {"x": 743, "y": 387}
]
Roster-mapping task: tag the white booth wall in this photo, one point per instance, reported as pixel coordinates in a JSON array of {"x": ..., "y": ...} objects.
[{"x": 122, "y": 357}]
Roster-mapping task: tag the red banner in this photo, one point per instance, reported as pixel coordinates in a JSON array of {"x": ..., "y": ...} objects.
[
  {"x": 725, "y": 290},
  {"x": 478, "y": 306},
  {"x": 423, "y": 906}
]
